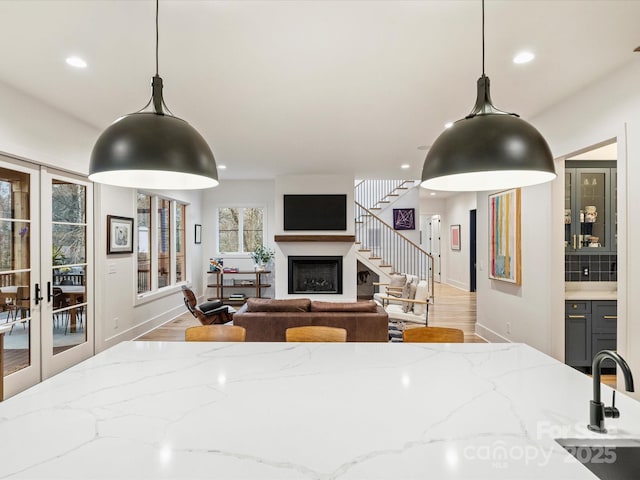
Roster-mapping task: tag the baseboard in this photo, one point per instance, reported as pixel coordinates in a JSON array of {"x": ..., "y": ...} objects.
[
  {"x": 142, "y": 328},
  {"x": 489, "y": 335},
  {"x": 458, "y": 285}
]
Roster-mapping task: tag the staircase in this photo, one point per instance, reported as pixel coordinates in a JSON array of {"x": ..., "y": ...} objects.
[{"x": 380, "y": 247}]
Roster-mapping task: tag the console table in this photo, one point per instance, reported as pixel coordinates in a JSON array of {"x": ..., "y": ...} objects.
[{"x": 252, "y": 281}]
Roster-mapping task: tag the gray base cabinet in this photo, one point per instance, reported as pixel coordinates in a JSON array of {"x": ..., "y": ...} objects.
[{"x": 590, "y": 326}]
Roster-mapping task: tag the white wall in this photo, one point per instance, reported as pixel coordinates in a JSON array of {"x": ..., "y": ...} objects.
[
  {"x": 120, "y": 314},
  {"x": 410, "y": 199},
  {"x": 518, "y": 313},
  {"x": 316, "y": 184},
  {"x": 607, "y": 109},
  {"x": 455, "y": 265},
  {"x": 237, "y": 193},
  {"x": 34, "y": 131}
]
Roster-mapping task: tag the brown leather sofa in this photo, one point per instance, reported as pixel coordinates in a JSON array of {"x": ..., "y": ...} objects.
[{"x": 266, "y": 320}]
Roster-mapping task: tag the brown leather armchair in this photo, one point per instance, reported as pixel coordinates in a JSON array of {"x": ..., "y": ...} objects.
[{"x": 208, "y": 313}]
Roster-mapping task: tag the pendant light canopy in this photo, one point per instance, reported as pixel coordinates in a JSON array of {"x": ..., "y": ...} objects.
[
  {"x": 153, "y": 149},
  {"x": 488, "y": 149}
]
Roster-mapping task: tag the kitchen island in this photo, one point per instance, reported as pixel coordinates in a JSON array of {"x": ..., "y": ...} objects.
[{"x": 154, "y": 410}]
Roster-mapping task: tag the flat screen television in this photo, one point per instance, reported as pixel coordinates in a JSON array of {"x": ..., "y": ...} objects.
[{"x": 315, "y": 212}]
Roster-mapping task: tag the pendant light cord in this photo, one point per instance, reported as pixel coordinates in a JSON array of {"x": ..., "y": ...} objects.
[
  {"x": 156, "y": 97},
  {"x": 483, "y": 38},
  {"x": 157, "y": 38}
]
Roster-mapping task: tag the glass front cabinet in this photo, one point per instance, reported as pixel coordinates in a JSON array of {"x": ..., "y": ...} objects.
[{"x": 590, "y": 204}]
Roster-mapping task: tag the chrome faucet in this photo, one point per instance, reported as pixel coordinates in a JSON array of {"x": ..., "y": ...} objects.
[{"x": 597, "y": 410}]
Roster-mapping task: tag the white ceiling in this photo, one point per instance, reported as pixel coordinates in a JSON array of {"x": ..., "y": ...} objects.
[{"x": 284, "y": 87}]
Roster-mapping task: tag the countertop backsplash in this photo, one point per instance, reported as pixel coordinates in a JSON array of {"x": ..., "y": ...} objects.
[{"x": 598, "y": 268}]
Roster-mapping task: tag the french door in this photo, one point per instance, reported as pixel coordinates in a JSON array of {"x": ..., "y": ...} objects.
[{"x": 46, "y": 271}]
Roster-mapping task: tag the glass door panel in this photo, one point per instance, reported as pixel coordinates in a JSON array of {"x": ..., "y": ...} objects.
[
  {"x": 67, "y": 259},
  {"x": 18, "y": 269},
  {"x": 568, "y": 214},
  {"x": 69, "y": 254},
  {"x": 614, "y": 209},
  {"x": 592, "y": 205}
]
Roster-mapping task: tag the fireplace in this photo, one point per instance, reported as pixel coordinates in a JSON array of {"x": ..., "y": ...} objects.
[{"x": 315, "y": 275}]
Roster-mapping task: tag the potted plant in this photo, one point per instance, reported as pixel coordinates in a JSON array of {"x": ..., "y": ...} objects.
[{"x": 261, "y": 256}]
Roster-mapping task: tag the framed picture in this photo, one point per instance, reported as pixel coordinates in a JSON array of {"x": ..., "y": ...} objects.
[
  {"x": 119, "y": 235},
  {"x": 455, "y": 237},
  {"x": 404, "y": 218},
  {"x": 198, "y": 234},
  {"x": 504, "y": 236}
]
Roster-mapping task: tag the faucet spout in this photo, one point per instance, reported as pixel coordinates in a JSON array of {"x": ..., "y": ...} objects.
[{"x": 597, "y": 410}]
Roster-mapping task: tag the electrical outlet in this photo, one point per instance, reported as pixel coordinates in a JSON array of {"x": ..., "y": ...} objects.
[
  {"x": 508, "y": 327},
  {"x": 115, "y": 322}
]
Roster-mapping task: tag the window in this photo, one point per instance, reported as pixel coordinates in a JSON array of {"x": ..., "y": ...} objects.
[
  {"x": 144, "y": 243},
  {"x": 164, "y": 242},
  {"x": 180, "y": 243},
  {"x": 162, "y": 256},
  {"x": 240, "y": 229}
]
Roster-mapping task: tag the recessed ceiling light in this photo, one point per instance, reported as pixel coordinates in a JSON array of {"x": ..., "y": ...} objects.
[
  {"x": 432, "y": 193},
  {"x": 76, "y": 62},
  {"x": 448, "y": 125},
  {"x": 222, "y": 167},
  {"x": 404, "y": 166},
  {"x": 523, "y": 57}
]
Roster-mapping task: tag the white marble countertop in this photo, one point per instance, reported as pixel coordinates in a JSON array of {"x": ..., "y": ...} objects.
[
  {"x": 154, "y": 410},
  {"x": 591, "y": 291}
]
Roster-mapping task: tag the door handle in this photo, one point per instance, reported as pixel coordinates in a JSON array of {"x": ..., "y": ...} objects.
[
  {"x": 576, "y": 316},
  {"x": 574, "y": 242},
  {"x": 49, "y": 296},
  {"x": 611, "y": 317},
  {"x": 37, "y": 298}
]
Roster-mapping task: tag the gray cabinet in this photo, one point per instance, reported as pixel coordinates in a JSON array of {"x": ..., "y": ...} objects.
[
  {"x": 590, "y": 326},
  {"x": 590, "y": 208},
  {"x": 577, "y": 324}
]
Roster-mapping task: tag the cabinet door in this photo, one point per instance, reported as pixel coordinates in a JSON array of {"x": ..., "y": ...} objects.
[
  {"x": 613, "y": 240},
  {"x": 593, "y": 205},
  {"x": 578, "y": 340},
  {"x": 570, "y": 215},
  {"x": 605, "y": 316},
  {"x": 604, "y": 341}
]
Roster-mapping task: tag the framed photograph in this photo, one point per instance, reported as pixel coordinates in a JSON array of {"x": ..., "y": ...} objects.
[
  {"x": 504, "y": 236},
  {"x": 404, "y": 218},
  {"x": 455, "y": 237},
  {"x": 119, "y": 235},
  {"x": 198, "y": 234}
]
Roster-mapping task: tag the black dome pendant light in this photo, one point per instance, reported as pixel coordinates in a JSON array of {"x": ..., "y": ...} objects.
[
  {"x": 153, "y": 149},
  {"x": 488, "y": 149}
]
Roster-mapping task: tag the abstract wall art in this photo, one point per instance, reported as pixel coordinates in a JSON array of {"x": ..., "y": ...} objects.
[
  {"x": 455, "y": 237},
  {"x": 404, "y": 218},
  {"x": 504, "y": 236}
]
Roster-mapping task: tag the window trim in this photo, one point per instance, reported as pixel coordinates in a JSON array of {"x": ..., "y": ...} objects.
[
  {"x": 243, "y": 206},
  {"x": 156, "y": 292}
]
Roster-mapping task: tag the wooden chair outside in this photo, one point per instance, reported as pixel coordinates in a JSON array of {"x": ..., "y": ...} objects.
[
  {"x": 433, "y": 335},
  {"x": 215, "y": 333},
  {"x": 316, "y": 334}
]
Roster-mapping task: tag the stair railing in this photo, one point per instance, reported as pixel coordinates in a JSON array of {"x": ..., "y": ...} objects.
[
  {"x": 394, "y": 249},
  {"x": 371, "y": 193}
]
